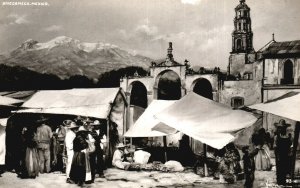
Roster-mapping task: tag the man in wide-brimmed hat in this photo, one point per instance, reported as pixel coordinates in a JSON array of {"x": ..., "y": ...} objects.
[
  {"x": 44, "y": 136},
  {"x": 79, "y": 120},
  {"x": 70, "y": 136},
  {"x": 282, "y": 147},
  {"x": 119, "y": 157},
  {"x": 96, "y": 158}
]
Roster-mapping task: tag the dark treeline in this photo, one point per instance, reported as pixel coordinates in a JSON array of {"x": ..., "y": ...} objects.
[{"x": 20, "y": 78}]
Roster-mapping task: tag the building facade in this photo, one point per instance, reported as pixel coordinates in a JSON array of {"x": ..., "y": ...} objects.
[{"x": 252, "y": 77}]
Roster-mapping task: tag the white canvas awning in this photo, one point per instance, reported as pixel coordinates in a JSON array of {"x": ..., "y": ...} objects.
[
  {"x": 205, "y": 120},
  {"x": 3, "y": 122},
  {"x": 7, "y": 101},
  {"x": 84, "y": 102},
  {"x": 143, "y": 126},
  {"x": 286, "y": 106}
]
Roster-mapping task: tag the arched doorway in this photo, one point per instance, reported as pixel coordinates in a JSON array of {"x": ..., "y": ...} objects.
[
  {"x": 138, "y": 101},
  {"x": 203, "y": 87},
  {"x": 168, "y": 86},
  {"x": 138, "y": 95},
  {"x": 288, "y": 73}
]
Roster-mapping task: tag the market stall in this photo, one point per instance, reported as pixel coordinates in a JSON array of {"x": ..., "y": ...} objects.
[
  {"x": 286, "y": 106},
  {"x": 102, "y": 103}
]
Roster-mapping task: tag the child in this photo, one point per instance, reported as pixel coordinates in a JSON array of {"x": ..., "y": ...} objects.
[{"x": 249, "y": 166}]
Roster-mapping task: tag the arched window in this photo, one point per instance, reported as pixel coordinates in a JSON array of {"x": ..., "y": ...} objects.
[
  {"x": 238, "y": 44},
  {"x": 245, "y": 27},
  {"x": 287, "y": 73}
]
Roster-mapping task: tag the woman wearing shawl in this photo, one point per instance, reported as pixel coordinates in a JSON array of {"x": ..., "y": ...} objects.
[
  {"x": 80, "y": 169},
  {"x": 262, "y": 159},
  {"x": 31, "y": 157}
]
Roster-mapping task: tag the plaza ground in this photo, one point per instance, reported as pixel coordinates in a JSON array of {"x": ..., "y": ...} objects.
[{"x": 115, "y": 178}]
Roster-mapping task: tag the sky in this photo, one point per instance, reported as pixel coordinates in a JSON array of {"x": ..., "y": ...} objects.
[{"x": 199, "y": 29}]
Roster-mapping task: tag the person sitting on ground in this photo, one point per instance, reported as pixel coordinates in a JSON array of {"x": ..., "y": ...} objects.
[
  {"x": 119, "y": 157},
  {"x": 229, "y": 165}
]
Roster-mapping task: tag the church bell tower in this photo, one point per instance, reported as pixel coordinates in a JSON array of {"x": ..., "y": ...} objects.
[
  {"x": 242, "y": 36},
  {"x": 242, "y": 41}
]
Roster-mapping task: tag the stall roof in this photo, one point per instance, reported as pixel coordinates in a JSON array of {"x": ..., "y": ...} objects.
[
  {"x": 85, "y": 102},
  {"x": 143, "y": 126},
  {"x": 205, "y": 120},
  {"x": 22, "y": 95},
  {"x": 285, "y": 106},
  {"x": 7, "y": 101}
]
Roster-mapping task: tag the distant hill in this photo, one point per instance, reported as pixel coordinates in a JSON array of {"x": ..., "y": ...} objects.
[{"x": 65, "y": 57}]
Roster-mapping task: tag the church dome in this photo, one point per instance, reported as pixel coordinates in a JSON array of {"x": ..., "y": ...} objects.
[{"x": 242, "y": 5}]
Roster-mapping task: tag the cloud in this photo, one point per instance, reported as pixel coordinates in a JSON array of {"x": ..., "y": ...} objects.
[
  {"x": 141, "y": 32},
  {"x": 53, "y": 28},
  {"x": 17, "y": 19},
  {"x": 192, "y": 2},
  {"x": 146, "y": 30}
]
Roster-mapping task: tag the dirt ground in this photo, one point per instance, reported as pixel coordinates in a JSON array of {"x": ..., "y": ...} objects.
[{"x": 115, "y": 178}]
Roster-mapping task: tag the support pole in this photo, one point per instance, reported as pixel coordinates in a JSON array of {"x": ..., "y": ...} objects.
[
  {"x": 205, "y": 160},
  {"x": 295, "y": 146},
  {"x": 107, "y": 157},
  {"x": 165, "y": 148}
]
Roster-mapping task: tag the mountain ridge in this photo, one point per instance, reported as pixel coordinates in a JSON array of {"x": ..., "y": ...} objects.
[{"x": 65, "y": 57}]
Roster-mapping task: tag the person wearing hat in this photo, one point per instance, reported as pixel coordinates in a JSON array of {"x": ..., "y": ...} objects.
[
  {"x": 282, "y": 147},
  {"x": 80, "y": 172},
  {"x": 249, "y": 166},
  {"x": 119, "y": 157},
  {"x": 59, "y": 140},
  {"x": 44, "y": 136},
  {"x": 96, "y": 158},
  {"x": 71, "y": 128}
]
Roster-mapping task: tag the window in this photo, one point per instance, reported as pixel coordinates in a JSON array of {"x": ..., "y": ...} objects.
[
  {"x": 237, "y": 102},
  {"x": 287, "y": 73},
  {"x": 248, "y": 76},
  {"x": 238, "y": 44},
  {"x": 245, "y": 27}
]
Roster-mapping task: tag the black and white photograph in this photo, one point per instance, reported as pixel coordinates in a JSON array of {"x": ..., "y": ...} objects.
[{"x": 149, "y": 93}]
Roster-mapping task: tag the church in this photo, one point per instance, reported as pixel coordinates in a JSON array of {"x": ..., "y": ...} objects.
[{"x": 252, "y": 76}]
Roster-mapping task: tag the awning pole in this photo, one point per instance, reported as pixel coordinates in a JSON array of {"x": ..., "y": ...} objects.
[
  {"x": 205, "y": 160},
  {"x": 107, "y": 158},
  {"x": 295, "y": 146},
  {"x": 165, "y": 147}
]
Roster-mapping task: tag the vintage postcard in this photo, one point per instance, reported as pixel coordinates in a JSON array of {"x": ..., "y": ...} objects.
[{"x": 149, "y": 93}]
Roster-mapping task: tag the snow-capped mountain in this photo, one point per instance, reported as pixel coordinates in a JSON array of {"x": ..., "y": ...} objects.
[{"x": 65, "y": 57}]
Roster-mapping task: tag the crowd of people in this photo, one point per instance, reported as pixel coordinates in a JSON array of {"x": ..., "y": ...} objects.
[{"x": 75, "y": 147}]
